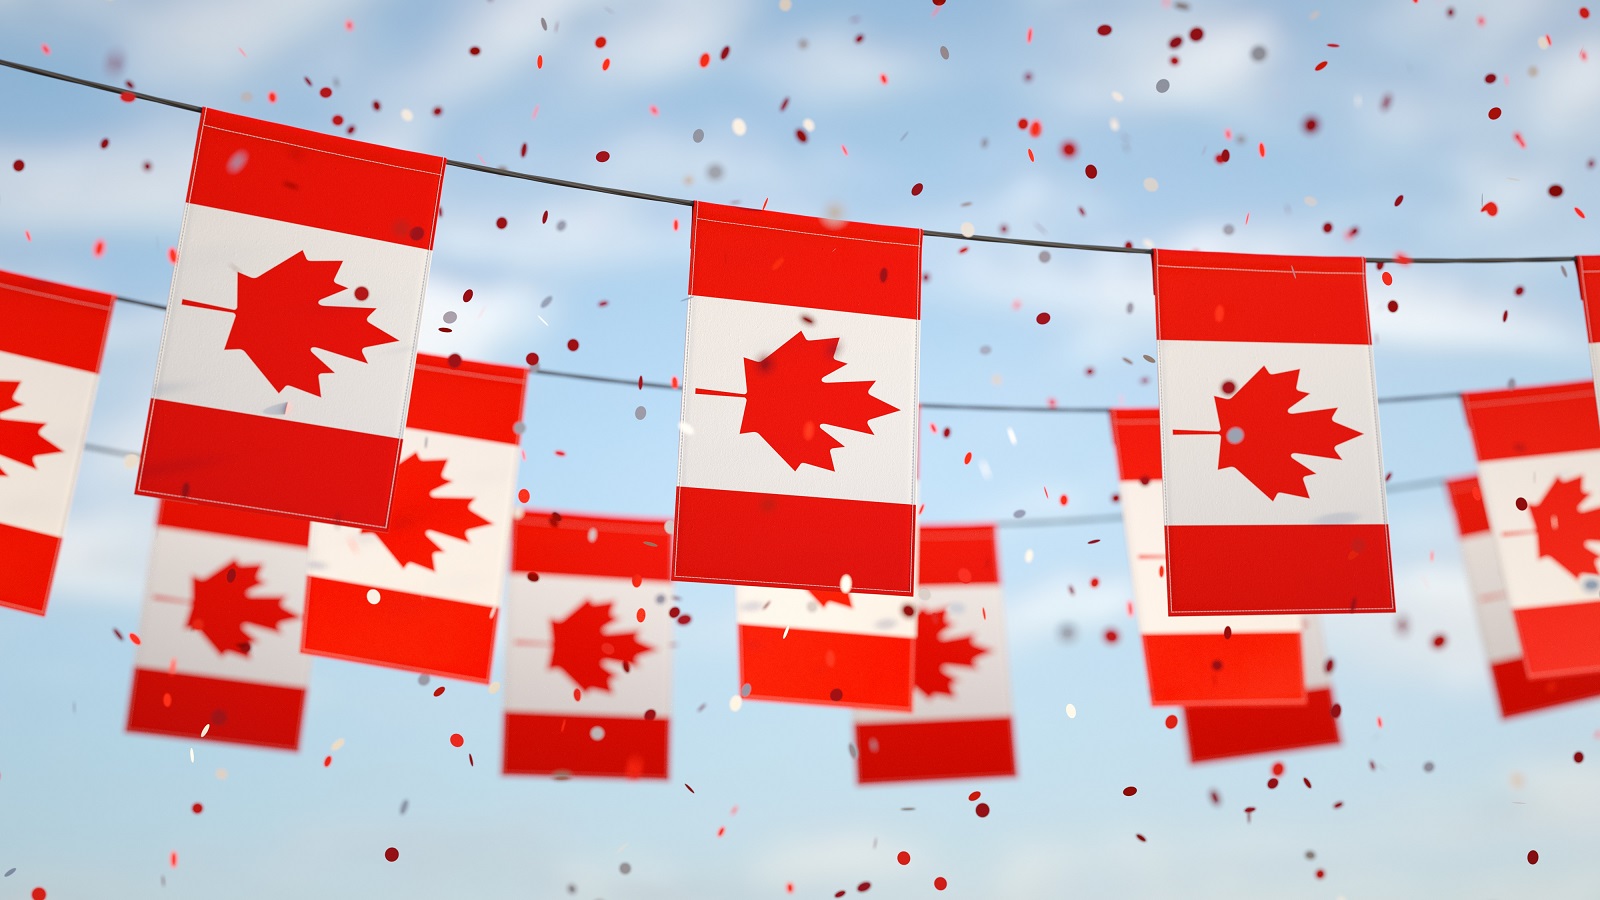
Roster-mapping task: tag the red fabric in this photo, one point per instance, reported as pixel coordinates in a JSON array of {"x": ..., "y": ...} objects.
[
  {"x": 918, "y": 751},
  {"x": 780, "y": 540},
  {"x": 1589, "y": 291},
  {"x": 1224, "y": 732},
  {"x": 1209, "y": 669},
  {"x": 622, "y": 548},
  {"x": 470, "y": 399},
  {"x": 1334, "y": 569},
  {"x": 401, "y": 631},
  {"x": 770, "y": 257},
  {"x": 554, "y": 744},
  {"x": 1555, "y": 418},
  {"x": 869, "y": 671},
  {"x": 958, "y": 554},
  {"x": 259, "y": 462},
  {"x": 1520, "y": 694},
  {"x": 27, "y": 566},
  {"x": 1560, "y": 640},
  {"x": 53, "y": 322},
  {"x": 1279, "y": 299},
  {"x": 1467, "y": 500},
  {"x": 277, "y": 172},
  {"x": 210, "y": 517},
  {"x": 1137, "y": 434},
  {"x": 238, "y": 712}
]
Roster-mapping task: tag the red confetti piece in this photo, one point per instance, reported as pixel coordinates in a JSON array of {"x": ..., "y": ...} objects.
[
  {"x": 1577, "y": 757},
  {"x": 1438, "y": 641},
  {"x": 916, "y": 189},
  {"x": 705, "y": 60},
  {"x": 572, "y": 344},
  {"x": 198, "y": 809},
  {"x": 125, "y": 97},
  {"x": 1388, "y": 278},
  {"x": 1141, "y": 838},
  {"x": 1321, "y": 65},
  {"x": 100, "y": 248},
  {"x": 1398, "y": 199},
  {"x": 974, "y": 795},
  {"x": 940, "y": 883},
  {"x": 327, "y": 761},
  {"x": 391, "y": 854},
  {"x": 1196, "y": 34},
  {"x": 326, "y": 92},
  {"x": 903, "y": 858},
  {"x": 439, "y": 691},
  {"x": 1494, "y": 113},
  {"x": 474, "y": 51},
  {"x": 605, "y": 64},
  {"x": 457, "y": 740},
  {"x": 1069, "y": 149},
  {"x": 600, "y": 41},
  {"x": 602, "y": 156},
  {"x": 1042, "y": 318},
  {"x": 38, "y": 893},
  {"x": 1103, "y": 30},
  {"x": 982, "y": 809},
  {"x": 500, "y": 222},
  {"x": 533, "y": 359},
  {"x": 1091, "y": 171},
  {"x": 17, "y": 166},
  {"x": 134, "y": 638},
  {"x": 1172, "y": 722},
  {"x": 1394, "y": 306},
  {"x": 1579, "y": 212},
  {"x": 1533, "y": 857},
  {"x": 1555, "y": 190},
  {"x": 1129, "y": 791},
  {"x": 1492, "y": 208},
  {"x": 967, "y": 460}
]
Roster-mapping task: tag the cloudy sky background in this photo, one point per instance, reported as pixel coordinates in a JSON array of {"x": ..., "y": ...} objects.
[{"x": 1400, "y": 109}]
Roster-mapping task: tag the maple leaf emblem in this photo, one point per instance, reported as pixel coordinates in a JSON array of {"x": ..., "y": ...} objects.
[
  {"x": 787, "y": 403},
  {"x": 416, "y": 512},
  {"x": 824, "y": 597},
  {"x": 278, "y": 319},
  {"x": 1562, "y": 531},
  {"x": 934, "y": 654},
  {"x": 20, "y": 441},
  {"x": 221, "y": 608},
  {"x": 1261, "y": 437},
  {"x": 578, "y": 646}
]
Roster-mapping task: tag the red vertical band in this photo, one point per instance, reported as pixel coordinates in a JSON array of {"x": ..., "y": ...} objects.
[
  {"x": 1137, "y": 435},
  {"x": 1560, "y": 640},
  {"x": 258, "y": 168},
  {"x": 1556, "y": 418},
  {"x": 27, "y": 566},
  {"x": 239, "y": 712},
  {"x": 214, "y": 519},
  {"x": 1589, "y": 291},
  {"x": 770, "y": 257},
  {"x": 919, "y": 751},
  {"x": 1243, "y": 297},
  {"x": 799, "y": 666},
  {"x": 1305, "y": 569},
  {"x": 53, "y": 322},
  {"x": 1223, "y": 732},
  {"x": 957, "y": 554},
  {"x": 470, "y": 399},
  {"x": 1466, "y": 498},
  {"x": 1520, "y": 694},
  {"x": 1207, "y": 669},
  {"x": 556, "y": 745},
  {"x": 555, "y": 543},
  {"x": 402, "y": 631}
]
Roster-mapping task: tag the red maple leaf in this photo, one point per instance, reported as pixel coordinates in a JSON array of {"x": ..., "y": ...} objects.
[
  {"x": 20, "y": 441},
  {"x": 578, "y": 646},
  {"x": 1562, "y": 531},
  {"x": 787, "y": 402},
  {"x": 933, "y": 654},
  {"x": 221, "y": 610},
  {"x": 1260, "y": 436},
  {"x": 279, "y": 319},
  {"x": 825, "y": 597},
  {"x": 416, "y": 512}
]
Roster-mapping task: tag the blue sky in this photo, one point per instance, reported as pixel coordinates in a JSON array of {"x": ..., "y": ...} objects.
[{"x": 1400, "y": 109}]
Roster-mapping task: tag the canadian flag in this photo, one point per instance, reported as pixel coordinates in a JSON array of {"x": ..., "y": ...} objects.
[
  {"x": 797, "y": 458},
  {"x": 1538, "y": 465},
  {"x": 422, "y": 596},
  {"x": 292, "y": 323},
  {"x": 1269, "y": 436},
  {"x": 1589, "y": 292},
  {"x": 589, "y": 678},
  {"x": 960, "y": 720},
  {"x": 219, "y": 639},
  {"x": 1192, "y": 660},
  {"x": 1517, "y": 692},
  {"x": 50, "y": 345},
  {"x": 1225, "y": 732}
]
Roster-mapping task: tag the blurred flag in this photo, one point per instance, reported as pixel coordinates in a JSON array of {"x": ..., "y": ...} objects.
[
  {"x": 51, "y": 339},
  {"x": 219, "y": 639},
  {"x": 798, "y": 449},
  {"x": 589, "y": 678},
  {"x": 1192, "y": 660},
  {"x": 422, "y": 596},
  {"x": 1269, "y": 434},
  {"x": 1538, "y": 463},
  {"x": 292, "y": 323},
  {"x": 960, "y": 720},
  {"x": 1516, "y": 691},
  {"x": 1224, "y": 732},
  {"x": 1589, "y": 292}
]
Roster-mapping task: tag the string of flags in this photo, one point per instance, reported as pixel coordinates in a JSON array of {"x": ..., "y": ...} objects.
[{"x": 1253, "y": 496}]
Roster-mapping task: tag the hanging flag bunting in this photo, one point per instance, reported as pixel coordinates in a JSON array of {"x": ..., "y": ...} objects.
[
  {"x": 1589, "y": 293},
  {"x": 960, "y": 720},
  {"x": 422, "y": 596},
  {"x": 1192, "y": 660},
  {"x": 1538, "y": 464},
  {"x": 219, "y": 639},
  {"x": 589, "y": 676},
  {"x": 292, "y": 323},
  {"x": 51, "y": 340},
  {"x": 1516, "y": 691},
  {"x": 1269, "y": 435},
  {"x": 1225, "y": 732},
  {"x": 797, "y": 455},
  {"x": 825, "y": 646}
]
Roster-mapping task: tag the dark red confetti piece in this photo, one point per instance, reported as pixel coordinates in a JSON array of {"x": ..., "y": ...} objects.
[
  {"x": 326, "y": 92},
  {"x": 982, "y": 809},
  {"x": 1577, "y": 757},
  {"x": 1394, "y": 306},
  {"x": 533, "y": 359},
  {"x": 1522, "y": 503},
  {"x": 1494, "y": 113},
  {"x": 1042, "y": 318},
  {"x": 1556, "y": 190},
  {"x": 1090, "y": 170},
  {"x": 1129, "y": 791},
  {"x": 602, "y": 156},
  {"x": 1103, "y": 30},
  {"x": 474, "y": 51},
  {"x": 1196, "y": 34},
  {"x": 17, "y": 166},
  {"x": 500, "y": 222},
  {"x": 916, "y": 189},
  {"x": 572, "y": 344},
  {"x": 391, "y": 854},
  {"x": 1533, "y": 857}
]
